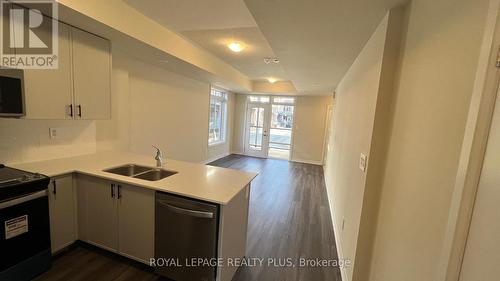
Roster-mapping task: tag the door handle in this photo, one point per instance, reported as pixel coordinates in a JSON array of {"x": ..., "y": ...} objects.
[
  {"x": 193, "y": 213},
  {"x": 22, "y": 199},
  {"x": 112, "y": 190},
  {"x": 79, "y": 111},
  {"x": 54, "y": 185},
  {"x": 119, "y": 191},
  {"x": 71, "y": 110}
]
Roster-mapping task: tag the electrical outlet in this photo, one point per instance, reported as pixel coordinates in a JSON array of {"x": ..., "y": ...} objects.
[
  {"x": 362, "y": 162},
  {"x": 53, "y": 132}
]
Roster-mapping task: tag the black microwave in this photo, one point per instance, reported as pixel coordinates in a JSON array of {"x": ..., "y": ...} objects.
[{"x": 11, "y": 93}]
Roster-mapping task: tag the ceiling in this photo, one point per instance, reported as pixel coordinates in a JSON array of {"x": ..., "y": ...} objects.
[
  {"x": 316, "y": 41},
  {"x": 250, "y": 61},
  {"x": 213, "y": 24}
]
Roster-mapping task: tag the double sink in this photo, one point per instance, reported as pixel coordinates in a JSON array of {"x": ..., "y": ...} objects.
[{"x": 141, "y": 172}]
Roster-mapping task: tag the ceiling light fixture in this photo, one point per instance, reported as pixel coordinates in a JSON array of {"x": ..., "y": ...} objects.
[
  {"x": 272, "y": 80},
  {"x": 236, "y": 47},
  {"x": 269, "y": 60}
]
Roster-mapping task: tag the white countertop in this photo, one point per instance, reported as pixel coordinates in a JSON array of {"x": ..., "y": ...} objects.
[{"x": 208, "y": 183}]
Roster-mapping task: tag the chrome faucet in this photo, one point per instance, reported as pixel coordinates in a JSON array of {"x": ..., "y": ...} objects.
[{"x": 158, "y": 157}]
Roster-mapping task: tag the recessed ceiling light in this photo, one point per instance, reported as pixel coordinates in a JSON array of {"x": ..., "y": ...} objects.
[
  {"x": 236, "y": 47},
  {"x": 272, "y": 80},
  {"x": 269, "y": 60}
]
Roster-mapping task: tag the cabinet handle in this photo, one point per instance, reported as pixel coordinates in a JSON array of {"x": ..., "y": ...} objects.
[
  {"x": 54, "y": 191},
  {"x": 112, "y": 190},
  {"x": 79, "y": 111},
  {"x": 71, "y": 110},
  {"x": 119, "y": 191}
]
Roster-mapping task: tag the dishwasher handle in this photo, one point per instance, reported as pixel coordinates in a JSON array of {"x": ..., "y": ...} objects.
[{"x": 192, "y": 213}]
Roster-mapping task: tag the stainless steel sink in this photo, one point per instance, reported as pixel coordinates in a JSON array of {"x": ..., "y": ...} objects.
[
  {"x": 155, "y": 175},
  {"x": 141, "y": 172},
  {"x": 129, "y": 170}
]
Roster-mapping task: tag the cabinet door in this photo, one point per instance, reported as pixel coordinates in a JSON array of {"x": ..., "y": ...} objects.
[
  {"x": 101, "y": 212},
  {"x": 62, "y": 212},
  {"x": 92, "y": 75},
  {"x": 48, "y": 92},
  {"x": 136, "y": 222}
]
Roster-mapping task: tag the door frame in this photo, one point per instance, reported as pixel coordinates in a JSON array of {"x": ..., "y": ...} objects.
[
  {"x": 266, "y": 126},
  {"x": 474, "y": 145},
  {"x": 270, "y": 104}
]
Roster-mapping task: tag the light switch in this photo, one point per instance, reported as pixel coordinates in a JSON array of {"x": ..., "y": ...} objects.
[
  {"x": 362, "y": 162},
  {"x": 53, "y": 133}
]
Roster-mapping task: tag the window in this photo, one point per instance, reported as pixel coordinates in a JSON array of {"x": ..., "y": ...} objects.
[
  {"x": 258, "y": 99},
  {"x": 283, "y": 100},
  {"x": 218, "y": 117}
]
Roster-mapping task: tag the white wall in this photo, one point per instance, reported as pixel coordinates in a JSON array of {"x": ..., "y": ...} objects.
[
  {"x": 150, "y": 105},
  {"x": 28, "y": 140},
  {"x": 308, "y": 128},
  {"x": 153, "y": 106},
  {"x": 432, "y": 98},
  {"x": 114, "y": 134},
  {"x": 483, "y": 250},
  {"x": 363, "y": 91},
  {"x": 168, "y": 110},
  {"x": 414, "y": 146}
]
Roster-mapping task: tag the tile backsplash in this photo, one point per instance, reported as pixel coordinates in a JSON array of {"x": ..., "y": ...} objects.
[{"x": 24, "y": 140}]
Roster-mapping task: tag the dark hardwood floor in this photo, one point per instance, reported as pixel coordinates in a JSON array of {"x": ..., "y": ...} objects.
[
  {"x": 88, "y": 263},
  {"x": 289, "y": 218}
]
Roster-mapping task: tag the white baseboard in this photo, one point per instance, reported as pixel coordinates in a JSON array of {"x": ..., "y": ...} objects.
[
  {"x": 314, "y": 162},
  {"x": 336, "y": 231}
]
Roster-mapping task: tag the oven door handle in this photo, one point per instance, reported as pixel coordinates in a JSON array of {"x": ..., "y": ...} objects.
[{"x": 23, "y": 199}]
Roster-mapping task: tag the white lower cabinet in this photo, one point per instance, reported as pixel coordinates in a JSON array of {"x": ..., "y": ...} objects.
[
  {"x": 62, "y": 212},
  {"x": 136, "y": 211},
  {"x": 100, "y": 212},
  {"x": 116, "y": 217}
]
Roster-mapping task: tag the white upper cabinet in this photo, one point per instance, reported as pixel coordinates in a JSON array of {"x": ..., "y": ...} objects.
[
  {"x": 80, "y": 88},
  {"x": 49, "y": 92},
  {"x": 92, "y": 77}
]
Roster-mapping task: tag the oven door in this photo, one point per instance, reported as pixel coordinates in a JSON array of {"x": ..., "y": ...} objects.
[{"x": 24, "y": 236}]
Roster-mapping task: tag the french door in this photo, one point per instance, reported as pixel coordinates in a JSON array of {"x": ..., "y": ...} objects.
[{"x": 257, "y": 129}]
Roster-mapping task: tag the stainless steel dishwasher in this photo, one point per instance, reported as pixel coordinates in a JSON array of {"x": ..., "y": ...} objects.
[{"x": 185, "y": 229}]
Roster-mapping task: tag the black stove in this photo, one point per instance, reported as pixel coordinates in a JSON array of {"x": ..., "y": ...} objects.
[
  {"x": 24, "y": 224},
  {"x": 14, "y": 182}
]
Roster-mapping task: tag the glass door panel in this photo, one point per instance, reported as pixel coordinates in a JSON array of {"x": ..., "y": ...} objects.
[
  {"x": 280, "y": 140},
  {"x": 257, "y": 130}
]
